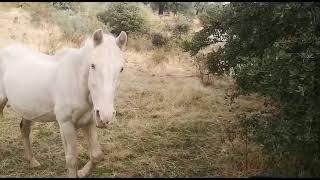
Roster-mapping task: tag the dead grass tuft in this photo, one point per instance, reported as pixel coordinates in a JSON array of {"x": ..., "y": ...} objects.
[
  {"x": 139, "y": 43},
  {"x": 159, "y": 56}
]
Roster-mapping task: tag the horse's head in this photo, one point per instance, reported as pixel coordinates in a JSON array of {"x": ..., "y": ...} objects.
[{"x": 105, "y": 65}]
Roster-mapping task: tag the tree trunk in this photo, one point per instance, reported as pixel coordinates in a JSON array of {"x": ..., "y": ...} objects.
[
  {"x": 161, "y": 8},
  {"x": 197, "y": 6},
  {"x": 174, "y": 12}
]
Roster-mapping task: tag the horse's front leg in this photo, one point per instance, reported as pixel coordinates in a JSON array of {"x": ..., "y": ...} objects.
[
  {"x": 69, "y": 137},
  {"x": 95, "y": 153}
]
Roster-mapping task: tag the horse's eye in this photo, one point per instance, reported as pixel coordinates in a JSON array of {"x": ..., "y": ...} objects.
[
  {"x": 121, "y": 70},
  {"x": 93, "y": 66}
]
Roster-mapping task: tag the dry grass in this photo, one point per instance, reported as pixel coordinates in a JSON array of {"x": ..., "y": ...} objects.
[
  {"x": 169, "y": 125},
  {"x": 159, "y": 56},
  {"x": 139, "y": 43},
  {"x": 14, "y": 22}
]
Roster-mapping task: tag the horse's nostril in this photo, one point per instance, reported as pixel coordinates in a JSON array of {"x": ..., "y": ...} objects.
[{"x": 97, "y": 113}]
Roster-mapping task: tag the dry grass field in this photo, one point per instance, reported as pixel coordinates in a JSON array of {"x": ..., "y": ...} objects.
[{"x": 168, "y": 123}]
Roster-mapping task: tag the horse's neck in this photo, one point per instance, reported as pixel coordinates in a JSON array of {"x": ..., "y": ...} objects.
[{"x": 82, "y": 73}]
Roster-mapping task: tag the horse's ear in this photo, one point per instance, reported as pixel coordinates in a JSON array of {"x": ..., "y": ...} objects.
[
  {"x": 122, "y": 39},
  {"x": 97, "y": 37}
]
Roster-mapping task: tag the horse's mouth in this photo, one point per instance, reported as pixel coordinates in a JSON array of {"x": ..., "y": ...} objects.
[
  {"x": 101, "y": 125},
  {"x": 107, "y": 126}
]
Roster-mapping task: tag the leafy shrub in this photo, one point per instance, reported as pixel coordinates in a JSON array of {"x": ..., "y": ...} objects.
[
  {"x": 186, "y": 44},
  {"x": 213, "y": 20},
  {"x": 208, "y": 64},
  {"x": 123, "y": 16},
  {"x": 181, "y": 27},
  {"x": 200, "y": 62},
  {"x": 159, "y": 39},
  {"x": 216, "y": 63},
  {"x": 75, "y": 26},
  {"x": 23, "y": 4},
  {"x": 63, "y": 5}
]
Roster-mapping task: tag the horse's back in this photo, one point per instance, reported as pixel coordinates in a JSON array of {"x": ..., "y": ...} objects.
[
  {"x": 20, "y": 52},
  {"x": 27, "y": 78}
]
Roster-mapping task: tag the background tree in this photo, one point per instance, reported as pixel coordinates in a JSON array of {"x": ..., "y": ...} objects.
[
  {"x": 200, "y": 6},
  {"x": 175, "y": 7},
  {"x": 123, "y": 16},
  {"x": 180, "y": 7}
]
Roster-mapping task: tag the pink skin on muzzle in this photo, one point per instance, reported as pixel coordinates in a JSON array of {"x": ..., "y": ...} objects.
[{"x": 104, "y": 120}]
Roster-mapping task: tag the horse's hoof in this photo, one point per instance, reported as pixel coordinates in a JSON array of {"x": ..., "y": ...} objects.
[
  {"x": 34, "y": 163},
  {"x": 81, "y": 174}
]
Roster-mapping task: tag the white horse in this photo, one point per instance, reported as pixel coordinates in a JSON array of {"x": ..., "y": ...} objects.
[{"x": 75, "y": 87}]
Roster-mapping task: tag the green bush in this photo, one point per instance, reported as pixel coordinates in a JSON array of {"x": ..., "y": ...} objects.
[
  {"x": 216, "y": 62},
  {"x": 159, "y": 39},
  {"x": 63, "y": 5},
  {"x": 23, "y": 4},
  {"x": 274, "y": 49},
  {"x": 123, "y": 16},
  {"x": 213, "y": 20},
  {"x": 181, "y": 27}
]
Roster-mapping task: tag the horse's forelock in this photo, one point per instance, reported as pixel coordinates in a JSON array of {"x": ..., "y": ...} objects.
[
  {"x": 88, "y": 42},
  {"x": 109, "y": 44}
]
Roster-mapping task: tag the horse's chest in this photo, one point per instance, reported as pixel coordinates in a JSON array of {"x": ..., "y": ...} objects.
[{"x": 83, "y": 118}]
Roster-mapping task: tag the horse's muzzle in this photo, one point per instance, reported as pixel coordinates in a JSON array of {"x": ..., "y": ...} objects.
[{"x": 105, "y": 123}]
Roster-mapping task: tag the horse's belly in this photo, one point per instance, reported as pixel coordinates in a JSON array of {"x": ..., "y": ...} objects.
[
  {"x": 27, "y": 88},
  {"x": 48, "y": 117}
]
